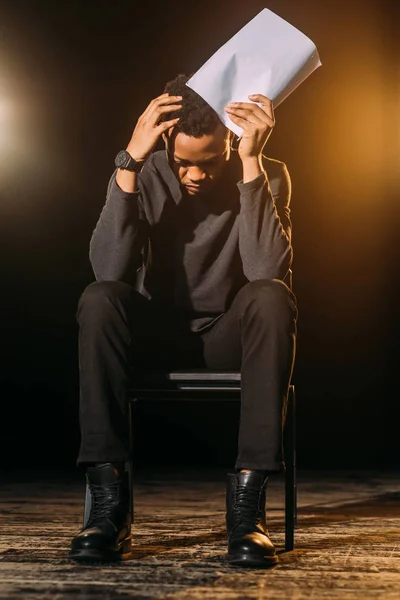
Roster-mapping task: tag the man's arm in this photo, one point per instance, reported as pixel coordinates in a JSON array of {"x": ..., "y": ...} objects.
[
  {"x": 265, "y": 227},
  {"x": 119, "y": 236},
  {"x": 121, "y": 232},
  {"x": 264, "y": 231}
]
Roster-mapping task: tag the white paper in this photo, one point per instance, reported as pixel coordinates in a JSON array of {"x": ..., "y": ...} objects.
[{"x": 267, "y": 56}]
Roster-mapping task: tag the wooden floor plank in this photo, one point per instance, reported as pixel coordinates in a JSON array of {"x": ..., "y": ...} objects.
[{"x": 347, "y": 542}]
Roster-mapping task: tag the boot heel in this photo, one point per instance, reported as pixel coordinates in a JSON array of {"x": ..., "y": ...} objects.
[{"x": 125, "y": 551}]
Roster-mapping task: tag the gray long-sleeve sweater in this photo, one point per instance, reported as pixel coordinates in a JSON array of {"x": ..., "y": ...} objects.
[{"x": 193, "y": 254}]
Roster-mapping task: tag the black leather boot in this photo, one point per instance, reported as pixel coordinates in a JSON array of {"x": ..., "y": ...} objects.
[
  {"x": 107, "y": 534},
  {"x": 248, "y": 541}
]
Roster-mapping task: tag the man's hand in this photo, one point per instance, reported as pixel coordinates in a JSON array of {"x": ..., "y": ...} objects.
[
  {"x": 257, "y": 124},
  {"x": 146, "y": 133},
  {"x": 148, "y": 128}
]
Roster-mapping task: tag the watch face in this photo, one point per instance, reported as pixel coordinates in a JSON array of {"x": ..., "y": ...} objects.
[{"x": 120, "y": 159}]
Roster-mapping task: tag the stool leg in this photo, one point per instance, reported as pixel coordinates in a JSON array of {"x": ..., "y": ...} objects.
[
  {"x": 290, "y": 474},
  {"x": 294, "y": 458},
  {"x": 129, "y": 463}
]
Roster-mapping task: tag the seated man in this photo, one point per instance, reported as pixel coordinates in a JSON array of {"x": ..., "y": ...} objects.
[{"x": 190, "y": 268}]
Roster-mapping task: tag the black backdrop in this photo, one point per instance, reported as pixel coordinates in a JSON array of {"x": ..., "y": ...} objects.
[{"x": 74, "y": 77}]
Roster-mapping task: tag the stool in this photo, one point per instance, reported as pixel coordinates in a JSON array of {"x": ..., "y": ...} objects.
[{"x": 215, "y": 385}]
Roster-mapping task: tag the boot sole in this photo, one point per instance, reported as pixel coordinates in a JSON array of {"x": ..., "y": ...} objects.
[
  {"x": 123, "y": 552},
  {"x": 253, "y": 561}
]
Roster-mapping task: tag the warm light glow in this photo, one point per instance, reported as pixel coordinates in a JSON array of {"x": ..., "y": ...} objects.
[
  {"x": 6, "y": 121},
  {"x": 22, "y": 149}
]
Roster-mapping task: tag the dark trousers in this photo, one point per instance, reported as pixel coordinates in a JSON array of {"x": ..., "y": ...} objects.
[{"x": 120, "y": 332}]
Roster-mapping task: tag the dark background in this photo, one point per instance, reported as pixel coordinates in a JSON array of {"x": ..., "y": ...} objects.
[{"x": 74, "y": 77}]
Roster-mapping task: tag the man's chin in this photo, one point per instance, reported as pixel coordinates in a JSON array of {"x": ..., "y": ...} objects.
[{"x": 196, "y": 190}]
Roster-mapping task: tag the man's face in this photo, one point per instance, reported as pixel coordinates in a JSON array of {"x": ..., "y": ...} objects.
[{"x": 198, "y": 163}]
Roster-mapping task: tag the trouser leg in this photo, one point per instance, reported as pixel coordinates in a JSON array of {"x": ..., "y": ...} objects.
[
  {"x": 120, "y": 333},
  {"x": 257, "y": 335},
  {"x": 105, "y": 314}
]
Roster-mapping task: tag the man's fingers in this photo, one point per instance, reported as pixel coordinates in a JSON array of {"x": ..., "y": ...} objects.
[
  {"x": 153, "y": 117},
  {"x": 246, "y": 114},
  {"x": 266, "y": 107},
  {"x": 258, "y": 118},
  {"x": 164, "y": 105},
  {"x": 266, "y": 103},
  {"x": 262, "y": 99},
  {"x": 152, "y": 103},
  {"x": 163, "y": 100},
  {"x": 250, "y": 106},
  {"x": 160, "y": 110},
  {"x": 245, "y": 125},
  {"x": 166, "y": 125},
  {"x": 263, "y": 115}
]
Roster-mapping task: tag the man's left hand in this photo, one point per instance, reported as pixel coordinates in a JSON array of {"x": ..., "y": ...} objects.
[{"x": 256, "y": 122}]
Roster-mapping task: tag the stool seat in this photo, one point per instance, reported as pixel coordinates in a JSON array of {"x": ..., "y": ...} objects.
[{"x": 185, "y": 380}]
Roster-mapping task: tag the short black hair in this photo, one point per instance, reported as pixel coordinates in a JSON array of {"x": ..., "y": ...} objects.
[{"x": 197, "y": 118}]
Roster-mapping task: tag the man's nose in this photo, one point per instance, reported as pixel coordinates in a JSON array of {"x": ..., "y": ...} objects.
[{"x": 196, "y": 174}]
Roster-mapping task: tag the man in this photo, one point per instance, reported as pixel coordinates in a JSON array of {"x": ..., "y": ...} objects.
[{"x": 189, "y": 267}]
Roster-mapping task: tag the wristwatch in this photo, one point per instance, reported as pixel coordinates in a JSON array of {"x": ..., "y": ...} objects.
[{"x": 124, "y": 160}]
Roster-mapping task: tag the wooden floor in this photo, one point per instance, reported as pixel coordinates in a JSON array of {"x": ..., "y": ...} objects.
[{"x": 347, "y": 543}]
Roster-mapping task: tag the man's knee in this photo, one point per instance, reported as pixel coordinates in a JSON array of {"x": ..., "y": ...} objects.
[
  {"x": 101, "y": 294},
  {"x": 268, "y": 298}
]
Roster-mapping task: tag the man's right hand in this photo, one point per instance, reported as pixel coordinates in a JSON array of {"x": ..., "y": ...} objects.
[
  {"x": 146, "y": 133},
  {"x": 148, "y": 128}
]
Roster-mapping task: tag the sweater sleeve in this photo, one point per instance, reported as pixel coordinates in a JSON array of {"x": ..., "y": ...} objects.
[
  {"x": 117, "y": 243},
  {"x": 265, "y": 227}
]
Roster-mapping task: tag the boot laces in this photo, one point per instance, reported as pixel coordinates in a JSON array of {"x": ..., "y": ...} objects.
[
  {"x": 104, "y": 500},
  {"x": 247, "y": 503}
]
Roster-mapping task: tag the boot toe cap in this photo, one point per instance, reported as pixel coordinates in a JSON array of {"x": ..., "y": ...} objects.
[
  {"x": 92, "y": 539},
  {"x": 252, "y": 548}
]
